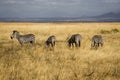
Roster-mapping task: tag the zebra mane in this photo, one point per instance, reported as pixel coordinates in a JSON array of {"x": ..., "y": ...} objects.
[{"x": 14, "y": 31}]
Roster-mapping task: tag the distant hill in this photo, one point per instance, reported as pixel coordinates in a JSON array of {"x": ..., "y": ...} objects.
[
  {"x": 111, "y": 16},
  {"x": 107, "y": 17}
]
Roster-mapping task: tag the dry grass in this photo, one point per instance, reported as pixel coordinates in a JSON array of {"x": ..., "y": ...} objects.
[{"x": 30, "y": 63}]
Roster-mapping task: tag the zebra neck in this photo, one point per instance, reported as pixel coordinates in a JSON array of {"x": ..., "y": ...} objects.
[{"x": 18, "y": 36}]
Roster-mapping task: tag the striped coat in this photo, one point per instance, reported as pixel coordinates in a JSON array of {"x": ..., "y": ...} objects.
[
  {"x": 97, "y": 40},
  {"x": 50, "y": 41},
  {"x": 75, "y": 39},
  {"x": 28, "y": 38}
]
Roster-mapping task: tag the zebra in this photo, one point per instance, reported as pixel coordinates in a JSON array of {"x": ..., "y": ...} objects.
[
  {"x": 50, "y": 41},
  {"x": 75, "y": 39},
  {"x": 97, "y": 40},
  {"x": 28, "y": 38}
]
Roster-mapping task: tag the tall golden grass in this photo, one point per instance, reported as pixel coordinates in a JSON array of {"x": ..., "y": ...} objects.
[{"x": 37, "y": 63}]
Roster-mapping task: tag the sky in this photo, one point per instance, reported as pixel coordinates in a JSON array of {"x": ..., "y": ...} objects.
[{"x": 56, "y": 8}]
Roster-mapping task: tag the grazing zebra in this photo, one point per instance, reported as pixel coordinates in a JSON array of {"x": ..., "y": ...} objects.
[
  {"x": 51, "y": 41},
  {"x": 28, "y": 38},
  {"x": 75, "y": 39},
  {"x": 96, "y": 41}
]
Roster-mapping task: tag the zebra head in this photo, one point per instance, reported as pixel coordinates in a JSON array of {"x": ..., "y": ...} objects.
[
  {"x": 15, "y": 34},
  {"x": 69, "y": 42}
]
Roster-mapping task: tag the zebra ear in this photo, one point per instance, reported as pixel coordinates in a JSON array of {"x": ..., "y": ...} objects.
[{"x": 15, "y": 31}]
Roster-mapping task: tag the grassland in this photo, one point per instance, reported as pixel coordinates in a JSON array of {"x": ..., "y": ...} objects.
[{"x": 30, "y": 63}]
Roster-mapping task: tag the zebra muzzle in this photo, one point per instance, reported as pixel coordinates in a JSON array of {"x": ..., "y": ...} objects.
[{"x": 11, "y": 37}]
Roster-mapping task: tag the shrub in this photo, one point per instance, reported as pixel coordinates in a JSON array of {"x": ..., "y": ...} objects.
[
  {"x": 104, "y": 32},
  {"x": 114, "y": 30}
]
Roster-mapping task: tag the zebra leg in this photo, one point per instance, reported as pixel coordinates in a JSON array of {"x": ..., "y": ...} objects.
[
  {"x": 72, "y": 44},
  {"x": 21, "y": 44},
  {"x": 94, "y": 44},
  {"x": 98, "y": 44},
  {"x": 48, "y": 45},
  {"x": 101, "y": 44},
  {"x": 69, "y": 44},
  {"x": 76, "y": 44},
  {"x": 79, "y": 44},
  {"x": 52, "y": 44}
]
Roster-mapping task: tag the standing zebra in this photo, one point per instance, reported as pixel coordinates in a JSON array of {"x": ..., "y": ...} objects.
[
  {"x": 28, "y": 38},
  {"x": 75, "y": 39},
  {"x": 97, "y": 40},
  {"x": 50, "y": 41}
]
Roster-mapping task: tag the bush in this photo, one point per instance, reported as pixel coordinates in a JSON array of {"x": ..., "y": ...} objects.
[
  {"x": 104, "y": 32},
  {"x": 107, "y": 31},
  {"x": 115, "y": 30}
]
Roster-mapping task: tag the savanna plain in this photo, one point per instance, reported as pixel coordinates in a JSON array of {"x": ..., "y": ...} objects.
[{"x": 63, "y": 63}]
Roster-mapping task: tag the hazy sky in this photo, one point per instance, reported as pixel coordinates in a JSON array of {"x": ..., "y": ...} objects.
[{"x": 56, "y": 8}]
